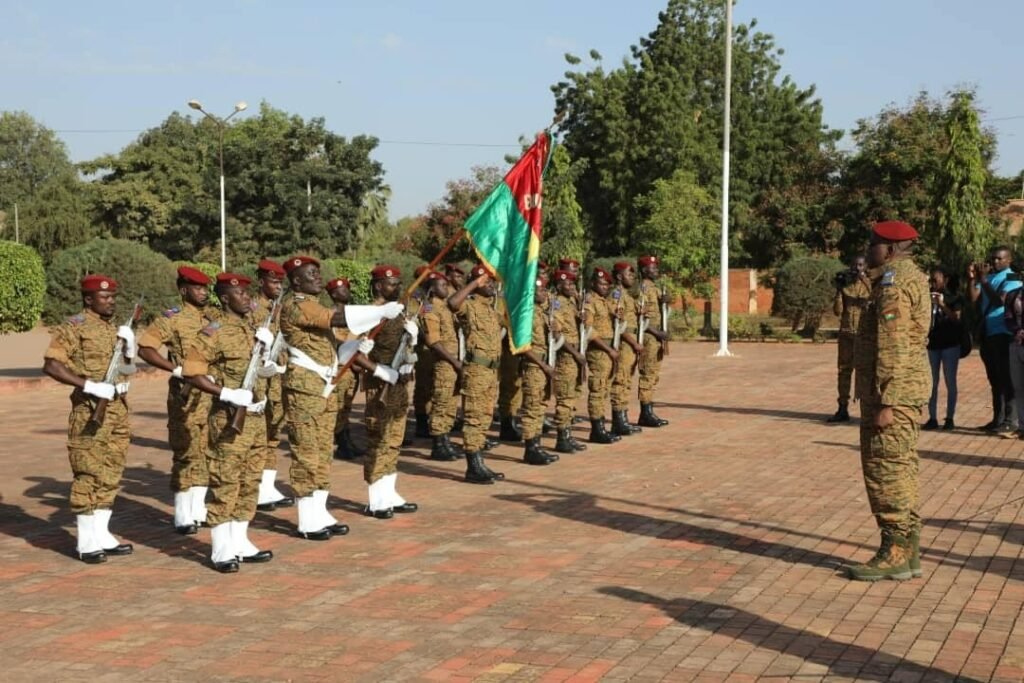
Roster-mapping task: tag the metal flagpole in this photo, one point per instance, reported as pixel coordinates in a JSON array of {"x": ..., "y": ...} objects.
[{"x": 723, "y": 290}]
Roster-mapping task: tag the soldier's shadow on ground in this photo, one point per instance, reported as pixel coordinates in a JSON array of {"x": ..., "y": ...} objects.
[
  {"x": 582, "y": 507},
  {"x": 768, "y": 412},
  {"x": 842, "y": 659}
]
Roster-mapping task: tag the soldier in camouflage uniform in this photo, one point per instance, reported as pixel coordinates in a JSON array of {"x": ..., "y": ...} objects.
[
  {"x": 79, "y": 354},
  {"x": 853, "y": 290},
  {"x": 601, "y": 357},
  {"x": 223, "y": 351},
  {"x": 570, "y": 365},
  {"x": 187, "y": 407},
  {"x": 625, "y": 311},
  {"x": 270, "y": 276},
  {"x": 655, "y": 341},
  {"x": 340, "y": 291},
  {"x": 892, "y": 361},
  {"x": 442, "y": 338},
  {"x": 537, "y": 378},
  {"x": 456, "y": 278},
  {"x": 387, "y": 398},
  {"x": 422, "y": 389},
  {"x": 510, "y": 385},
  {"x": 473, "y": 306}
]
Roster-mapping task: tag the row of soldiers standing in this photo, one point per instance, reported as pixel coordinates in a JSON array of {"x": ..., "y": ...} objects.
[{"x": 225, "y": 421}]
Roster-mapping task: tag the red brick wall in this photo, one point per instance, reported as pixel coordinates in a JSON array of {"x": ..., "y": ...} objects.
[{"x": 746, "y": 295}]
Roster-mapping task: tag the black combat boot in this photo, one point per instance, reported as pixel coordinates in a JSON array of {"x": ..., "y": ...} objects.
[
  {"x": 535, "y": 455},
  {"x": 489, "y": 443},
  {"x": 476, "y": 473},
  {"x": 344, "y": 447},
  {"x": 548, "y": 426},
  {"x": 442, "y": 449},
  {"x": 842, "y": 415},
  {"x": 598, "y": 434},
  {"x": 620, "y": 424},
  {"x": 648, "y": 418},
  {"x": 509, "y": 430},
  {"x": 422, "y": 426},
  {"x": 563, "y": 442}
]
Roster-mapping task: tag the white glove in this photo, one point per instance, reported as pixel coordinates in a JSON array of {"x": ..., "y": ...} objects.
[
  {"x": 121, "y": 388},
  {"x": 392, "y": 309},
  {"x": 388, "y": 374},
  {"x": 126, "y": 333},
  {"x": 413, "y": 330},
  {"x": 176, "y": 372},
  {"x": 256, "y": 408},
  {"x": 279, "y": 369},
  {"x": 411, "y": 357},
  {"x": 238, "y": 397},
  {"x": 266, "y": 336},
  {"x": 406, "y": 369},
  {"x": 99, "y": 389},
  {"x": 366, "y": 346}
]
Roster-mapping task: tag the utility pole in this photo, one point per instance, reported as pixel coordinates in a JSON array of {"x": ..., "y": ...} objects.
[{"x": 723, "y": 289}]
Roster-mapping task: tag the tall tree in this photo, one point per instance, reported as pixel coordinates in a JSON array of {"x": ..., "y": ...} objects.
[
  {"x": 445, "y": 218},
  {"x": 563, "y": 233}
]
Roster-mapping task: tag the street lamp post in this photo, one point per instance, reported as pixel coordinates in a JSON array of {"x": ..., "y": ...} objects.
[{"x": 221, "y": 125}]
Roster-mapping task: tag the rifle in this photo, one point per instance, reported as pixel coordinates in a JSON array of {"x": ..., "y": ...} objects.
[
  {"x": 257, "y": 368},
  {"x": 643, "y": 322},
  {"x": 664, "y": 321},
  {"x": 619, "y": 326},
  {"x": 398, "y": 360},
  {"x": 553, "y": 345},
  {"x": 115, "y": 367}
]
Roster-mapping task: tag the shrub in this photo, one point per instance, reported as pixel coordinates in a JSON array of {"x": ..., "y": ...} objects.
[
  {"x": 135, "y": 266},
  {"x": 358, "y": 274},
  {"x": 804, "y": 290},
  {"x": 22, "y": 287}
]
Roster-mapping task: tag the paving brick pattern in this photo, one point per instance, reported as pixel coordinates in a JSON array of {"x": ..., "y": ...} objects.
[{"x": 704, "y": 551}]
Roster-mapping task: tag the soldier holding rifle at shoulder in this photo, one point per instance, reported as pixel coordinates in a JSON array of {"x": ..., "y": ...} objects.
[
  {"x": 601, "y": 357},
  {"x": 654, "y": 340},
  {"x": 92, "y": 354},
  {"x": 443, "y": 339},
  {"x": 538, "y": 376},
  {"x": 570, "y": 366},
  {"x": 625, "y": 311}
]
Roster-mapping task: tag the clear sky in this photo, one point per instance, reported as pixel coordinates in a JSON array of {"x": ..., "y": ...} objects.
[{"x": 476, "y": 74}]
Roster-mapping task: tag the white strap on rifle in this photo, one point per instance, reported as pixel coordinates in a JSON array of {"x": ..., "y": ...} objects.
[
  {"x": 256, "y": 408},
  {"x": 299, "y": 358}
]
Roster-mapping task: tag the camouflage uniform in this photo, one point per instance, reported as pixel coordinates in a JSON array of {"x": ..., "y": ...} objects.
[
  {"x": 849, "y": 305},
  {"x": 422, "y": 390},
  {"x": 439, "y": 324},
  {"x": 535, "y": 382},
  {"x": 84, "y": 343},
  {"x": 599, "y": 363},
  {"x": 510, "y": 386},
  {"x": 892, "y": 371},
  {"x": 386, "y": 406},
  {"x": 188, "y": 409},
  {"x": 650, "y": 367},
  {"x": 567, "y": 372},
  {"x": 623, "y": 380},
  {"x": 274, "y": 411},
  {"x": 222, "y": 350},
  {"x": 480, "y": 374}
]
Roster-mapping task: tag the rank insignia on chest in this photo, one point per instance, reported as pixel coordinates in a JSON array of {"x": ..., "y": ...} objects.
[
  {"x": 171, "y": 312},
  {"x": 211, "y": 328},
  {"x": 556, "y": 304},
  {"x": 888, "y": 278}
]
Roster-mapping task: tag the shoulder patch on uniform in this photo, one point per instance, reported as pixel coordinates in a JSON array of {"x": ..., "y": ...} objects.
[
  {"x": 556, "y": 304},
  {"x": 617, "y": 294},
  {"x": 299, "y": 297},
  {"x": 211, "y": 328},
  {"x": 427, "y": 307},
  {"x": 253, "y": 305},
  {"x": 171, "y": 312},
  {"x": 888, "y": 278},
  {"x": 77, "y": 319}
]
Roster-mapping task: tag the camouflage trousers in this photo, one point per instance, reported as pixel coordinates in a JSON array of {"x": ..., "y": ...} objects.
[
  {"x": 346, "y": 391},
  {"x": 510, "y": 385},
  {"x": 890, "y": 463},
  {"x": 273, "y": 417},
  {"x": 845, "y": 364},
  {"x": 311, "y": 419},
  {"x": 535, "y": 403},
  {"x": 385, "y": 427},
  {"x": 623, "y": 380},
  {"x": 480, "y": 387},
  {"x": 97, "y": 454},
  {"x": 188, "y": 416},
  {"x": 650, "y": 369},
  {"x": 444, "y": 401},
  {"x": 567, "y": 389},
  {"x": 422, "y": 392},
  {"x": 236, "y": 465},
  {"x": 599, "y": 379}
]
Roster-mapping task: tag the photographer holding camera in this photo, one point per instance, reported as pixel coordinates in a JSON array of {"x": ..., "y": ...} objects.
[
  {"x": 988, "y": 283},
  {"x": 853, "y": 289}
]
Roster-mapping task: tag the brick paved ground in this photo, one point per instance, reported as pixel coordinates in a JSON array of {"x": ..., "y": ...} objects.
[{"x": 703, "y": 551}]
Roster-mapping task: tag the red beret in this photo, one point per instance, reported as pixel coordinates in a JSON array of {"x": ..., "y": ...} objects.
[
  {"x": 565, "y": 275},
  {"x": 453, "y": 267},
  {"x": 434, "y": 275},
  {"x": 894, "y": 231},
  {"x": 478, "y": 270},
  {"x": 647, "y": 260},
  {"x": 98, "y": 283},
  {"x": 542, "y": 265},
  {"x": 233, "y": 280},
  {"x": 382, "y": 271},
  {"x": 567, "y": 263},
  {"x": 193, "y": 276},
  {"x": 602, "y": 274},
  {"x": 622, "y": 265},
  {"x": 296, "y": 261},
  {"x": 542, "y": 282},
  {"x": 270, "y": 267},
  {"x": 338, "y": 282}
]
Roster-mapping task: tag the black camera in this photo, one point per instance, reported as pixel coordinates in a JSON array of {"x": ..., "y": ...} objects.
[{"x": 843, "y": 279}]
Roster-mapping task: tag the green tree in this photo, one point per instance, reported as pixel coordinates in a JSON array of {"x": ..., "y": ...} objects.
[
  {"x": 22, "y": 287},
  {"x": 445, "y": 218},
  {"x": 563, "y": 232}
]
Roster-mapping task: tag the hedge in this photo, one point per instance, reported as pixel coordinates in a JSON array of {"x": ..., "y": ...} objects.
[
  {"x": 136, "y": 268},
  {"x": 804, "y": 290},
  {"x": 358, "y": 274},
  {"x": 22, "y": 287}
]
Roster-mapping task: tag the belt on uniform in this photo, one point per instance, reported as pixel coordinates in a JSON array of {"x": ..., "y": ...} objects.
[
  {"x": 301, "y": 359},
  {"x": 490, "y": 363}
]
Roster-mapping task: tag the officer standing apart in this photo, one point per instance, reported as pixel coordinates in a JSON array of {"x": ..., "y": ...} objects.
[
  {"x": 655, "y": 341},
  {"x": 223, "y": 351},
  {"x": 891, "y": 350},
  {"x": 853, "y": 290},
  {"x": 79, "y": 353},
  {"x": 270, "y": 280}
]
